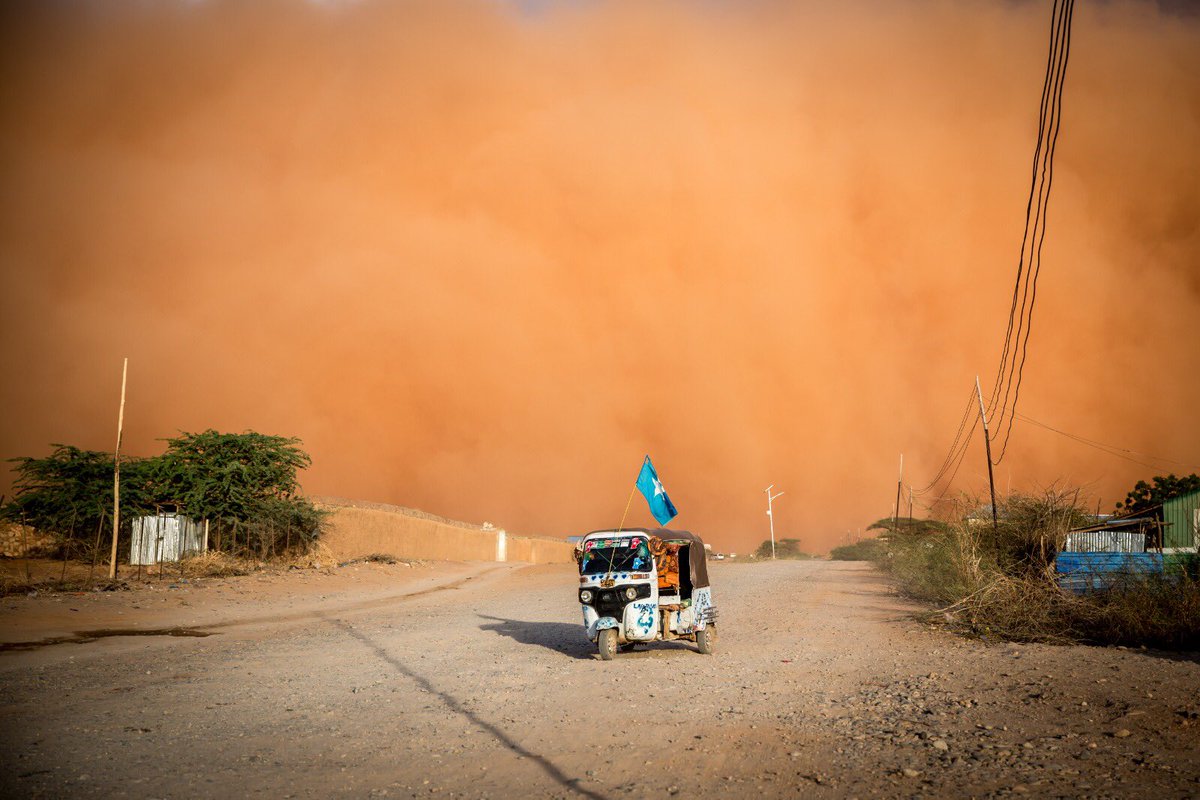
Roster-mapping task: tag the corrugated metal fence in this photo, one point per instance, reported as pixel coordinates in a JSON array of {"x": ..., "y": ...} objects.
[
  {"x": 1082, "y": 572},
  {"x": 1182, "y": 518},
  {"x": 166, "y": 537},
  {"x": 1105, "y": 542}
]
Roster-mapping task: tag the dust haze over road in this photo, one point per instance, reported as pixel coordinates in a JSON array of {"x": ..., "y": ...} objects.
[
  {"x": 478, "y": 681},
  {"x": 482, "y": 256}
]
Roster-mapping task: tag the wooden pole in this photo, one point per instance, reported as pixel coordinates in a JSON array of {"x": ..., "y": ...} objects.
[
  {"x": 67, "y": 544},
  {"x": 158, "y": 537},
  {"x": 987, "y": 443},
  {"x": 25, "y": 547},
  {"x": 96, "y": 549},
  {"x": 899, "y": 485},
  {"x": 112, "y": 562},
  {"x": 183, "y": 529}
]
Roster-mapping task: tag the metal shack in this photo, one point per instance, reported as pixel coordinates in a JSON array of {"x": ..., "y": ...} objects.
[
  {"x": 167, "y": 536},
  {"x": 1181, "y": 523},
  {"x": 1160, "y": 540}
]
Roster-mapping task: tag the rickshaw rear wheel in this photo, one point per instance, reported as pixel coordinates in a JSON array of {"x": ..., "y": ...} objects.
[
  {"x": 706, "y": 639},
  {"x": 607, "y": 642}
]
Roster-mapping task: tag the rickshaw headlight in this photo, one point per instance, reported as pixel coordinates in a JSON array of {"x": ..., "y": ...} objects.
[
  {"x": 630, "y": 593},
  {"x": 585, "y": 596}
]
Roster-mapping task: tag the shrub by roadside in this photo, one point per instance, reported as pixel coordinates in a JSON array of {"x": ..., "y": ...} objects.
[
  {"x": 784, "y": 548},
  {"x": 1002, "y": 583},
  {"x": 866, "y": 550}
]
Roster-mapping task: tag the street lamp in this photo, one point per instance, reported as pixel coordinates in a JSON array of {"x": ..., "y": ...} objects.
[{"x": 771, "y": 516}]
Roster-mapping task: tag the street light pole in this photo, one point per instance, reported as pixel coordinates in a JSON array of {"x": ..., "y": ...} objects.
[{"x": 771, "y": 515}]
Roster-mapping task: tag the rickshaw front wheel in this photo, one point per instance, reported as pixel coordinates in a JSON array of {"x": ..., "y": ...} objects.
[
  {"x": 607, "y": 642},
  {"x": 706, "y": 639}
]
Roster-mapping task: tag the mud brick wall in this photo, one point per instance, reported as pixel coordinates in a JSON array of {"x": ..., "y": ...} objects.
[
  {"x": 356, "y": 532},
  {"x": 539, "y": 551},
  {"x": 17, "y": 540}
]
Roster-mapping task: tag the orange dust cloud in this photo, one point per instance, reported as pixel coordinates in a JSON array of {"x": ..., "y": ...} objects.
[{"x": 482, "y": 256}]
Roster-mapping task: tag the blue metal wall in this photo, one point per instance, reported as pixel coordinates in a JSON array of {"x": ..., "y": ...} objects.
[{"x": 1081, "y": 572}]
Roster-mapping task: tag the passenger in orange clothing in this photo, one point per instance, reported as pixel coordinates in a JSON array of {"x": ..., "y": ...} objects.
[{"x": 667, "y": 558}]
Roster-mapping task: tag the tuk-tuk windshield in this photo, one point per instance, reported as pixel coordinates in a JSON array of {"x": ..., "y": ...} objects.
[{"x": 609, "y": 555}]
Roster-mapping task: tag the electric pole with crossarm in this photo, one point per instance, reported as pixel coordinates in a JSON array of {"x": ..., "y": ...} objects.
[{"x": 771, "y": 515}]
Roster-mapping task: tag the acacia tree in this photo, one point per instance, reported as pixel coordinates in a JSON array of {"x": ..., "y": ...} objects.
[
  {"x": 69, "y": 492},
  {"x": 784, "y": 548},
  {"x": 243, "y": 483},
  {"x": 1148, "y": 495},
  {"x": 246, "y": 484}
]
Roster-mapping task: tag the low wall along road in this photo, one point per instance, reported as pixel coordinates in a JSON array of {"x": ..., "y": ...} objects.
[
  {"x": 18, "y": 540},
  {"x": 356, "y": 530}
]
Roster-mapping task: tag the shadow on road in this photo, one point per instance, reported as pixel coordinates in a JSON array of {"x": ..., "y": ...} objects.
[
  {"x": 561, "y": 637},
  {"x": 568, "y": 639},
  {"x": 454, "y": 705}
]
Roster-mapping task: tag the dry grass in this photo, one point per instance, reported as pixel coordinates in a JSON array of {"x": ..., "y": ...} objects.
[
  {"x": 23, "y": 576},
  {"x": 373, "y": 558},
  {"x": 215, "y": 564},
  {"x": 1157, "y": 611},
  {"x": 1002, "y": 584}
]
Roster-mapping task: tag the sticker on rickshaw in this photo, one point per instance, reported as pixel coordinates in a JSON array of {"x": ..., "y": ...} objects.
[{"x": 594, "y": 543}]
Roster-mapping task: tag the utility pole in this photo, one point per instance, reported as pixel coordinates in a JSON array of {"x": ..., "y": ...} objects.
[
  {"x": 910, "y": 521},
  {"x": 771, "y": 515},
  {"x": 112, "y": 563},
  {"x": 896, "y": 510},
  {"x": 987, "y": 443}
]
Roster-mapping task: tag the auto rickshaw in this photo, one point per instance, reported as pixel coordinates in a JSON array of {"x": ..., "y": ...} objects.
[{"x": 645, "y": 585}]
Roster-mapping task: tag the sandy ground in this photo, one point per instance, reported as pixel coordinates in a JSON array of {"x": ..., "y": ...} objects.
[{"x": 475, "y": 680}]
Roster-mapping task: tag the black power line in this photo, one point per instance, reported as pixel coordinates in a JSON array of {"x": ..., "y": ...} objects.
[
  {"x": 1020, "y": 320},
  {"x": 1111, "y": 449},
  {"x": 954, "y": 446},
  {"x": 1010, "y": 372},
  {"x": 993, "y": 396},
  {"x": 1036, "y": 261}
]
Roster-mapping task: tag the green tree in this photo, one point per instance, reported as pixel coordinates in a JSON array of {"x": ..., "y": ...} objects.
[
  {"x": 1159, "y": 490},
  {"x": 69, "y": 493},
  {"x": 246, "y": 484},
  {"x": 784, "y": 548},
  {"x": 904, "y": 526}
]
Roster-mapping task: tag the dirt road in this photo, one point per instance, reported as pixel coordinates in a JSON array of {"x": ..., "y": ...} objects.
[{"x": 475, "y": 680}]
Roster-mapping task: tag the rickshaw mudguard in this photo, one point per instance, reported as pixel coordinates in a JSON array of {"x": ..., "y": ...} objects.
[{"x": 594, "y": 623}]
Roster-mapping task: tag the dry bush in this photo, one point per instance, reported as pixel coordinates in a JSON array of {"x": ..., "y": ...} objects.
[
  {"x": 216, "y": 564},
  {"x": 317, "y": 556},
  {"x": 865, "y": 550},
  {"x": 1163, "y": 611},
  {"x": 1152, "y": 610},
  {"x": 1001, "y": 583},
  {"x": 1032, "y": 528},
  {"x": 373, "y": 558}
]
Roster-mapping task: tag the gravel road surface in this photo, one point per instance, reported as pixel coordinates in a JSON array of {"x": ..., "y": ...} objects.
[{"x": 475, "y": 680}]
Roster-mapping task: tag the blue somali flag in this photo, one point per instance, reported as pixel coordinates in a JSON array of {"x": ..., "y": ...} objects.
[{"x": 652, "y": 489}]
